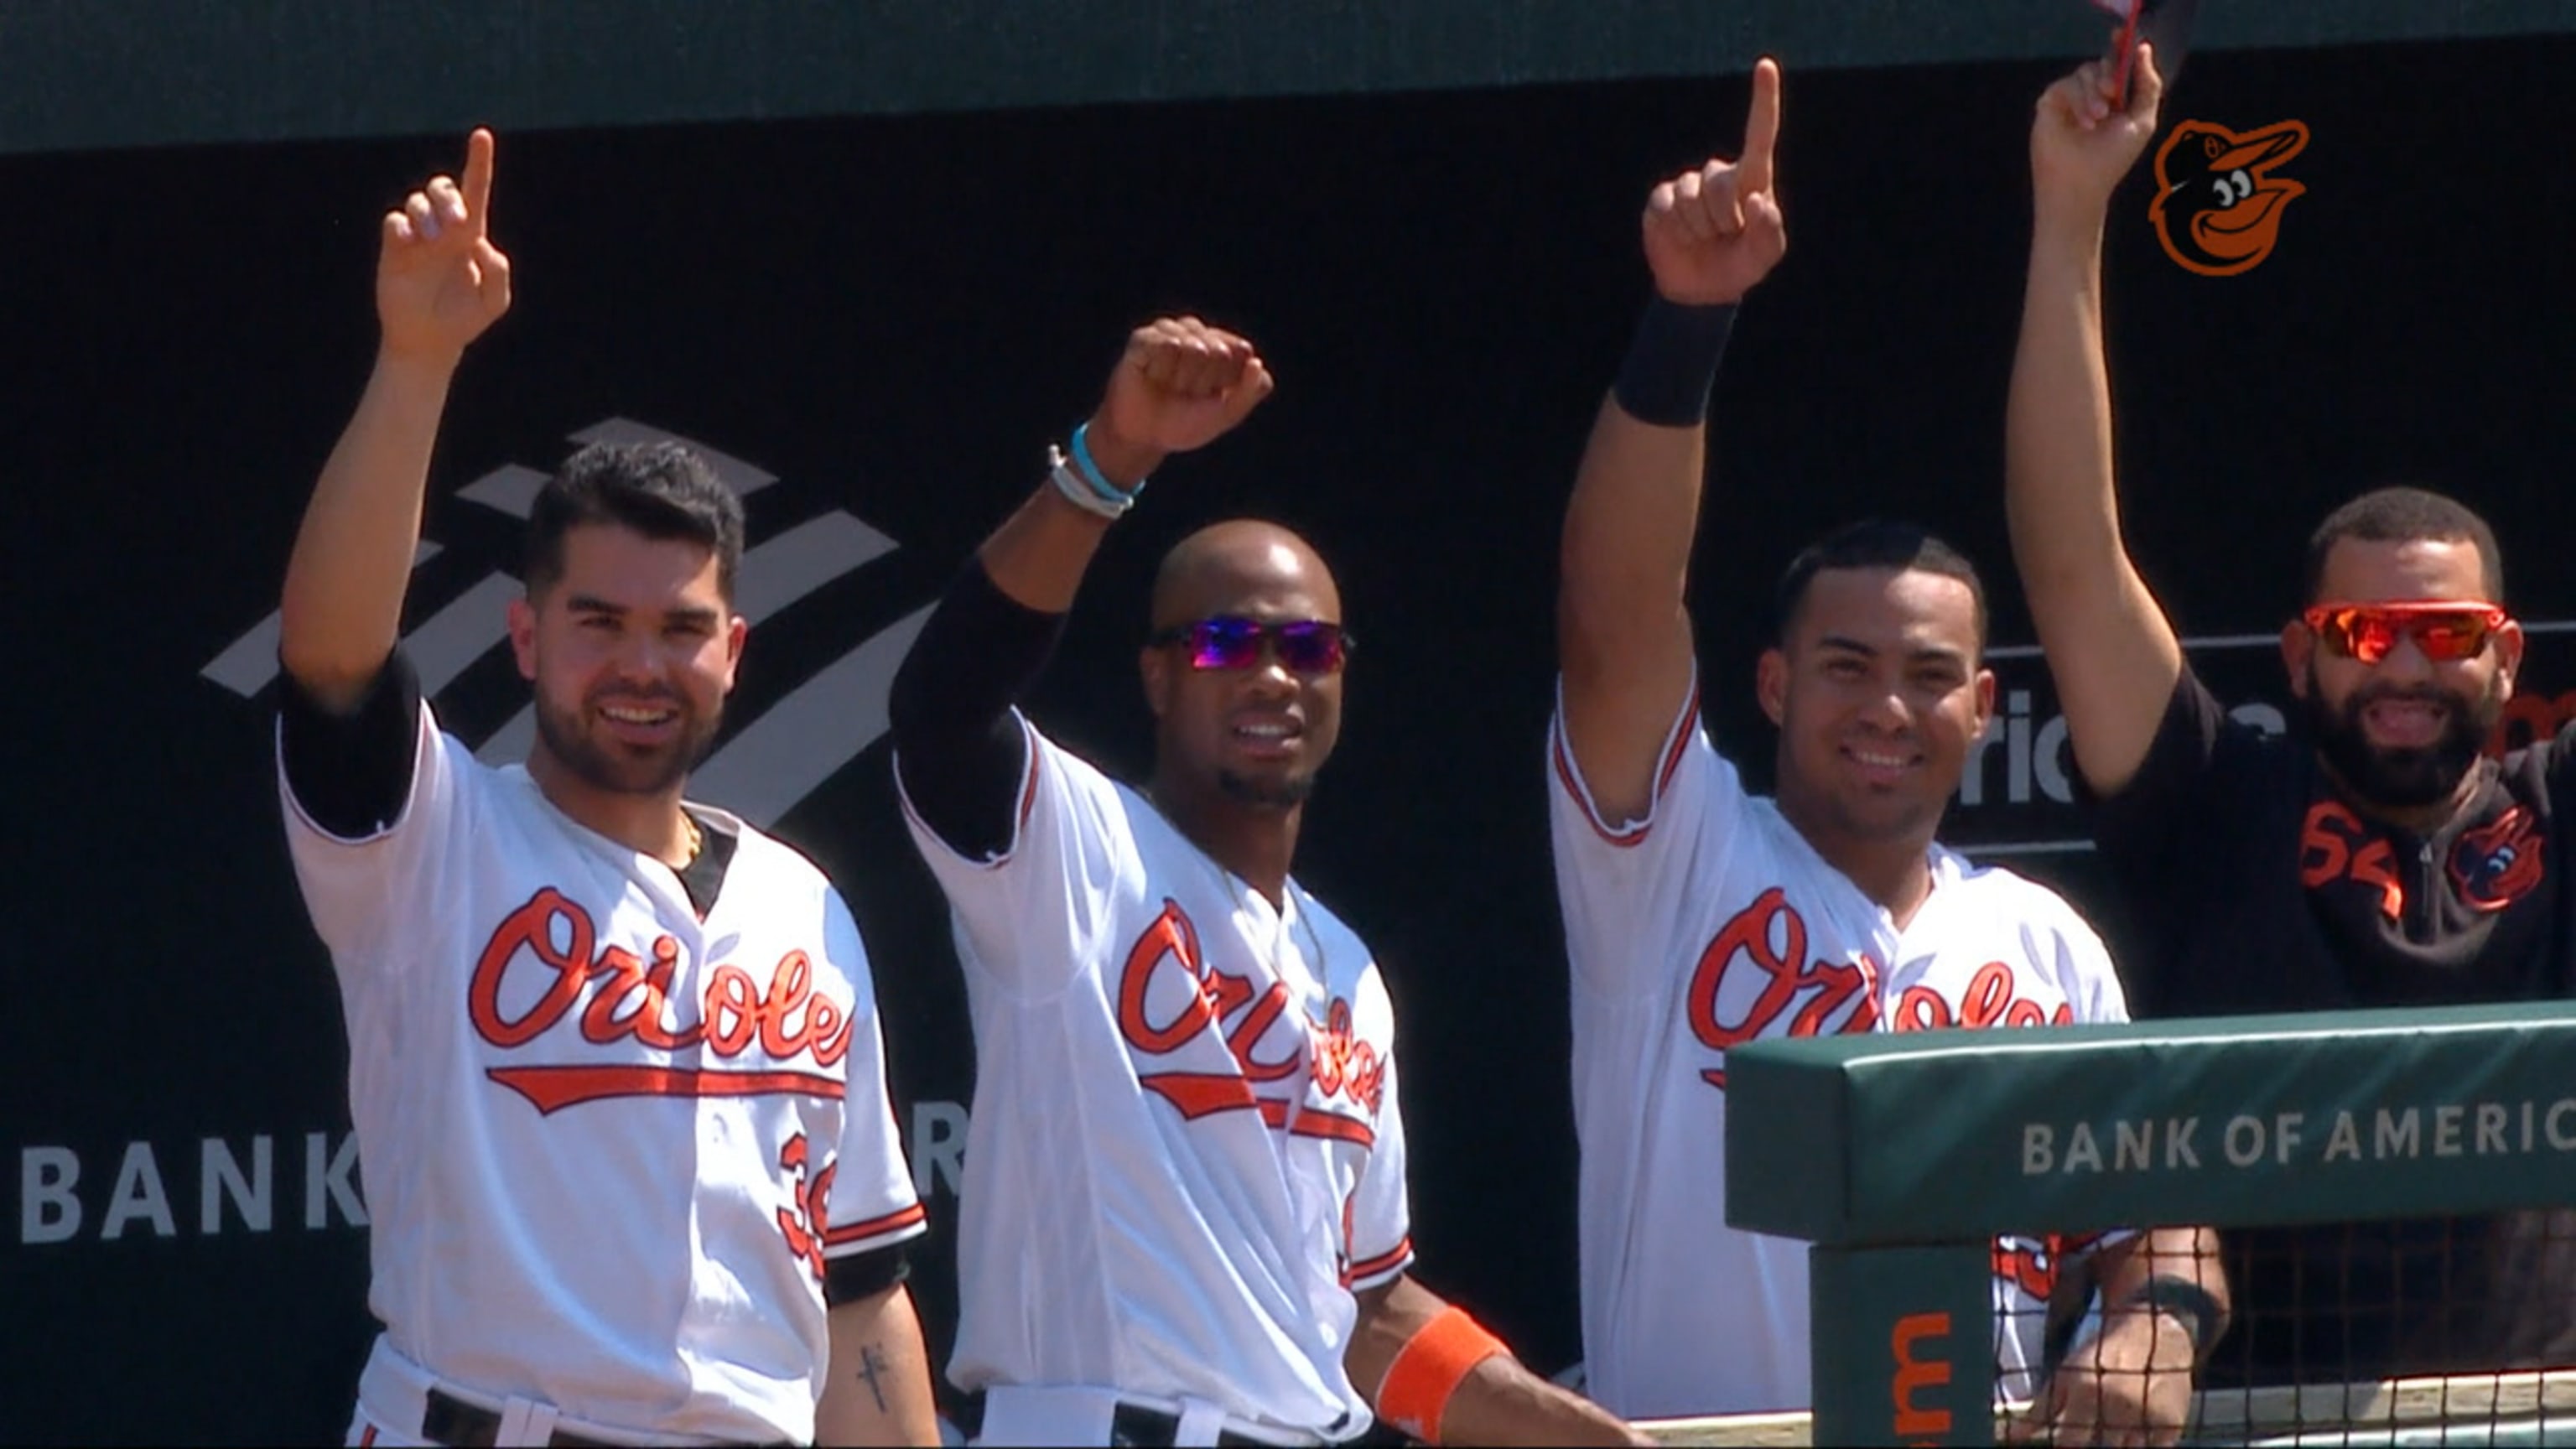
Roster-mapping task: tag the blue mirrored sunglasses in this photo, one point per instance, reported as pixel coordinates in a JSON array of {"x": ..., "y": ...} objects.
[{"x": 1306, "y": 646}]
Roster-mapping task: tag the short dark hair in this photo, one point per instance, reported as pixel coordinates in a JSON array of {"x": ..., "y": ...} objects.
[
  {"x": 660, "y": 490},
  {"x": 2403, "y": 515},
  {"x": 1873, "y": 543}
]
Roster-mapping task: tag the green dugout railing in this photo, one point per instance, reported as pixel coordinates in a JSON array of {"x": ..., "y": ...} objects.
[{"x": 1900, "y": 1157}]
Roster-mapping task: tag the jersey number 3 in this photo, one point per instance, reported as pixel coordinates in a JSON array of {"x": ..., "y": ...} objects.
[{"x": 803, "y": 1228}]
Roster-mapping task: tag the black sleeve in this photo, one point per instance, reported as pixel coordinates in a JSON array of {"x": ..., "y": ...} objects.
[
  {"x": 351, "y": 772},
  {"x": 864, "y": 1275},
  {"x": 2162, "y": 800},
  {"x": 2558, "y": 759},
  {"x": 959, "y": 754},
  {"x": 2177, "y": 820}
]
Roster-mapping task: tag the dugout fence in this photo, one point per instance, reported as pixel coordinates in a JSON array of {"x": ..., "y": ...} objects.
[{"x": 1903, "y": 1158}]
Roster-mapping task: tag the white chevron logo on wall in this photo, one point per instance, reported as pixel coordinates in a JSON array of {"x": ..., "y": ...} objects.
[{"x": 773, "y": 760}]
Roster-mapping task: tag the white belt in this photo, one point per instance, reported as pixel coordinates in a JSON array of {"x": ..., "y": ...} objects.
[
  {"x": 394, "y": 1391},
  {"x": 1067, "y": 1414}
]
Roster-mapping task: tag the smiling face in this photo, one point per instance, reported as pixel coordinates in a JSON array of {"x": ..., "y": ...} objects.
[
  {"x": 631, "y": 651},
  {"x": 1256, "y": 735},
  {"x": 1878, "y": 694},
  {"x": 2404, "y": 732}
]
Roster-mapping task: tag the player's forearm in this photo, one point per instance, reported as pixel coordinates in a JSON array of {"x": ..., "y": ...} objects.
[
  {"x": 1627, "y": 548},
  {"x": 1629, "y": 528},
  {"x": 877, "y": 1389},
  {"x": 1503, "y": 1403},
  {"x": 1623, "y": 626},
  {"x": 2109, "y": 646},
  {"x": 1040, "y": 553},
  {"x": 2058, "y": 469},
  {"x": 2187, "y": 1254},
  {"x": 1498, "y": 1401},
  {"x": 341, "y": 608},
  {"x": 2171, "y": 1273}
]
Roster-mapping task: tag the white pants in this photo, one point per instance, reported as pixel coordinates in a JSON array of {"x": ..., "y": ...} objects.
[
  {"x": 393, "y": 1394},
  {"x": 1025, "y": 1414}
]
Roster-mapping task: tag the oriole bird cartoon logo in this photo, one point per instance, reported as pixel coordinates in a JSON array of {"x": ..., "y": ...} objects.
[
  {"x": 2499, "y": 862},
  {"x": 2217, "y": 207}
]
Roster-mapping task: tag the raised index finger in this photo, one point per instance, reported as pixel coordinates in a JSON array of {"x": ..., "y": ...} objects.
[
  {"x": 1761, "y": 130},
  {"x": 478, "y": 179}
]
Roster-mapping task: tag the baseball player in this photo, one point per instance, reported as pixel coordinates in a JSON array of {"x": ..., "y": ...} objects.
[
  {"x": 1698, "y": 916},
  {"x": 1184, "y": 1217},
  {"x": 614, "y": 1059},
  {"x": 2383, "y": 851}
]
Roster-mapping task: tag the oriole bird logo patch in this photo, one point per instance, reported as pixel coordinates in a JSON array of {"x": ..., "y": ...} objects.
[
  {"x": 2499, "y": 862},
  {"x": 2218, "y": 207}
]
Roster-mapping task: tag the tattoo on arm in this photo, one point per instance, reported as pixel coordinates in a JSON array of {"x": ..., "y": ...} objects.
[{"x": 871, "y": 1364}]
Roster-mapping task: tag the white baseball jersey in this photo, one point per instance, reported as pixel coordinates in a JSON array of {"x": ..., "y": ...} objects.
[
  {"x": 1185, "y": 1150},
  {"x": 1711, "y": 922},
  {"x": 608, "y": 1147}
]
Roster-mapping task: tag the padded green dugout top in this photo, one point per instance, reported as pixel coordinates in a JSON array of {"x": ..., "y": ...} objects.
[{"x": 1958, "y": 1135}]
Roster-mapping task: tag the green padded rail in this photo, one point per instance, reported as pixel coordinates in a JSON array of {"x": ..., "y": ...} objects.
[{"x": 1959, "y": 1135}]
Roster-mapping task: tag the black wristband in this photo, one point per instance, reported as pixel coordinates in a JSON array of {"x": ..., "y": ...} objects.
[
  {"x": 854, "y": 1276},
  {"x": 1672, "y": 363},
  {"x": 2187, "y": 1301}
]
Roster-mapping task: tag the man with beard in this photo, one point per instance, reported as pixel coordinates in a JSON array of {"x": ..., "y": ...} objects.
[
  {"x": 1699, "y": 915},
  {"x": 631, "y": 1172},
  {"x": 1184, "y": 1219},
  {"x": 2372, "y": 857}
]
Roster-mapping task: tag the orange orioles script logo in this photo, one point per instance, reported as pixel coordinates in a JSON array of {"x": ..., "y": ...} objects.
[
  {"x": 1344, "y": 1067},
  {"x": 2218, "y": 207},
  {"x": 787, "y": 1018},
  {"x": 1778, "y": 957},
  {"x": 1767, "y": 941}
]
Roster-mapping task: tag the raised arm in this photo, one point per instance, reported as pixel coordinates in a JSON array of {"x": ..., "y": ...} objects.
[
  {"x": 1180, "y": 385},
  {"x": 439, "y": 283},
  {"x": 1623, "y": 630},
  {"x": 2108, "y": 643}
]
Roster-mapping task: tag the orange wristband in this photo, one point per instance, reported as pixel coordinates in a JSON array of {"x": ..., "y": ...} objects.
[{"x": 1429, "y": 1368}]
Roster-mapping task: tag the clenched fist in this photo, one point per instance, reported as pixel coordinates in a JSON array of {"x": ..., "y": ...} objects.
[
  {"x": 439, "y": 280},
  {"x": 1180, "y": 385},
  {"x": 1713, "y": 233}
]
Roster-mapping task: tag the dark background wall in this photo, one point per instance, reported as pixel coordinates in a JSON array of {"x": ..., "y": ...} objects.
[
  {"x": 894, "y": 315},
  {"x": 152, "y": 72}
]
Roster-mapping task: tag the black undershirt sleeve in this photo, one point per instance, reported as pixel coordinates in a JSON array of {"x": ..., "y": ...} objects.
[
  {"x": 863, "y": 1275},
  {"x": 351, "y": 772},
  {"x": 958, "y": 748},
  {"x": 2163, "y": 802}
]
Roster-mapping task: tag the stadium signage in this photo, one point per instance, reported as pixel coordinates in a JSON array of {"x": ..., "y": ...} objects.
[{"x": 2291, "y": 1139}]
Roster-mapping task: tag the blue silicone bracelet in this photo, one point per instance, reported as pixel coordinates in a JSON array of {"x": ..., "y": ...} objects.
[{"x": 1091, "y": 474}]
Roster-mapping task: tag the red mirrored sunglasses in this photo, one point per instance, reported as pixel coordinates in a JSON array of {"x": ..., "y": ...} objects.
[
  {"x": 1306, "y": 646},
  {"x": 2445, "y": 629}
]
